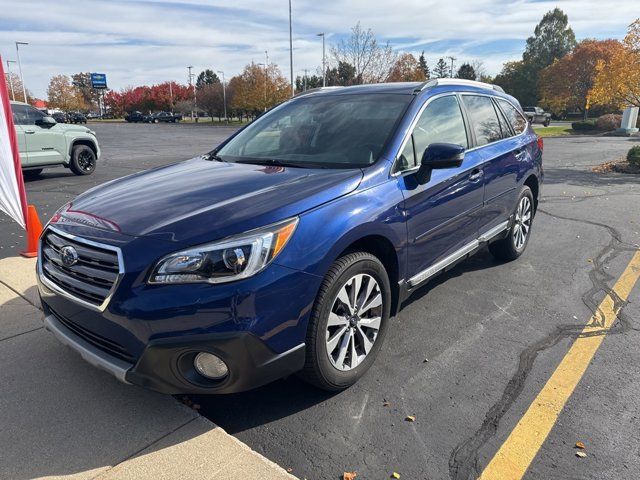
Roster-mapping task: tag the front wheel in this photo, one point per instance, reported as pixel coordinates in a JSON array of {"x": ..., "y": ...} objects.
[
  {"x": 514, "y": 244},
  {"x": 83, "y": 160},
  {"x": 546, "y": 123},
  {"x": 348, "y": 322}
]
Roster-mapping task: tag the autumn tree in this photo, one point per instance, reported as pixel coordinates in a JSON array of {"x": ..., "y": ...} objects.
[
  {"x": 617, "y": 78},
  {"x": 371, "y": 60},
  {"x": 442, "y": 70},
  {"x": 211, "y": 99},
  {"x": 422, "y": 64},
  {"x": 257, "y": 89},
  {"x": 567, "y": 83},
  {"x": 62, "y": 94},
  {"x": 14, "y": 84},
  {"x": 82, "y": 84},
  {"x": 406, "y": 69},
  {"x": 466, "y": 72}
]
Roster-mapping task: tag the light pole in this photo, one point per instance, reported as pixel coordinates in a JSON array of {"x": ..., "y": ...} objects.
[
  {"x": 293, "y": 91},
  {"x": 265, "y": 84},
  {"x": 452, "y": 60},
  {"x": 9, "y": 62},
  {"x": 24, "y": 90},
  {"x": 305, "y": 70},
  {"x": 324, "y": 68},
  {"x": 194, "y": 90},
  {"x": 224, "y": 97}
]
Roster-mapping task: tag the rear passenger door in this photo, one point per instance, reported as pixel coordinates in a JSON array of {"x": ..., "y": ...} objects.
[
  {"x": 442, "y": 215},
  {"x": 498, "y": 150}
]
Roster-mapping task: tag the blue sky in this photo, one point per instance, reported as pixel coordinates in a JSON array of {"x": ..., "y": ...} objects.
[{"x": 150, "y": 41}]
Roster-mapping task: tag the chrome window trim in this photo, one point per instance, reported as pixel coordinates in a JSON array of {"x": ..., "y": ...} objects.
[
  {"x": 59, "y": 290},
  {"x": 415, "y": 121}
]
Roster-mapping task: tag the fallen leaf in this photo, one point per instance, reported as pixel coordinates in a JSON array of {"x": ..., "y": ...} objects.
[
  {"x": 426, "y": 360},
  {"x": 580, "y": 445},
  {"x": 395, "y": 475},
  {"x": 386, "y": 403},
  {"x": 410, "y": 418},
  {"x": 349, "y": 475},
  {"x": 580, "y": 454}
]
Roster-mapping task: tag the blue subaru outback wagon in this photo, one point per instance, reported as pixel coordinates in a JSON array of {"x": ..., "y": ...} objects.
[{"x": 290, "y": 246}]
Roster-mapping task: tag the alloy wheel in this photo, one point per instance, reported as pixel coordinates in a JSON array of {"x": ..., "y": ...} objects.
[
  {"x": 85, "y": 161},
  {"x": 354, "y": 322},
  {"x": 522, "y": 223}
]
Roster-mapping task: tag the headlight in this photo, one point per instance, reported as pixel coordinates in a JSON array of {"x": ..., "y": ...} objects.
[{"x": 227, "y": 260}]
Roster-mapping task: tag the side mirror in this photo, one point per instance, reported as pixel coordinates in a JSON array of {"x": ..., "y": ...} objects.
[
  {"x": 45, "y": 122},
  {"x": 439, "y": 155}
]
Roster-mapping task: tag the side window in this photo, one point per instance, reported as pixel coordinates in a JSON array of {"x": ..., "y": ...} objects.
[
  {"x": 515, "y": 118},
  {"x": 440, "y": 122},
  {"x": 34, "y": 114},
  {"x": 20, "y": 115},
  {"x": 484, "y": 119}
]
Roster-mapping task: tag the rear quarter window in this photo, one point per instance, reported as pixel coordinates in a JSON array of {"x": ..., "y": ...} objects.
[{"x": 514, "y": 117}]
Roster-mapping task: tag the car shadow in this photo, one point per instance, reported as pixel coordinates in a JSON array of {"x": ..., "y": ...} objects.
[{"x": 243, "y": 411}]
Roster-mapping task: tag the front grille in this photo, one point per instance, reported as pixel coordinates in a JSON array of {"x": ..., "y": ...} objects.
[
  {"x": 91, "y": 278},
  {"x": 98, "y": 341}
]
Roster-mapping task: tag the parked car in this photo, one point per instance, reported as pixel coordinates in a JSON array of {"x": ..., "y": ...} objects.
[
  {"x": 60, "y": 117},
  {"x": 134, "y": 117},
  {"x": 166, "y": 117},
  {"x": 288, "y": 247},
  {"x": 76, "y": 117},
  {"x": 43, "y": 143},
  {"x": 537, "y": 115}
]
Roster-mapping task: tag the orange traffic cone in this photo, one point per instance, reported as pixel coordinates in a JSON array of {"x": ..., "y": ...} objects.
[{"x": 34, "y": 229}]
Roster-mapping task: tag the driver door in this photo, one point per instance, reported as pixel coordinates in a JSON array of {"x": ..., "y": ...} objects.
[
  {"x": 19, "y": 121},
  {"x": 46, "y": 145}
]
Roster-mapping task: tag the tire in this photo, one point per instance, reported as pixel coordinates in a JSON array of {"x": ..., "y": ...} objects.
[
  {"x": 546, "y": 123},
  {"x": 514, "y": 245},
  {"x": 83, "y": 160},
  {"x": 327, "y": 368},
  {"x": 155, "y": 120},
  {"x": 32, "y": 174}
]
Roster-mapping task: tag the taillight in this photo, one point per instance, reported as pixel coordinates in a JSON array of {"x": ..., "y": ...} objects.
[{"x": 540, "y": 144}]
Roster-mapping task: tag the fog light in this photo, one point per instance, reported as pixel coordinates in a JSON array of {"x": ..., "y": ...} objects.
[{"x": 210, "y": 366}]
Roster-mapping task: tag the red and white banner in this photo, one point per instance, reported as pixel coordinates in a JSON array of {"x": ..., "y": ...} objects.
[{"x": 13, "y": 199}]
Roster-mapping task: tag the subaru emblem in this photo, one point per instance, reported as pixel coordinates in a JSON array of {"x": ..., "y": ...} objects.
[{"x": 68, "y": 256}]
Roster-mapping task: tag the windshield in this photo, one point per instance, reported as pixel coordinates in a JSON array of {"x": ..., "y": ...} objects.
[{"x": 327, "y": 131}]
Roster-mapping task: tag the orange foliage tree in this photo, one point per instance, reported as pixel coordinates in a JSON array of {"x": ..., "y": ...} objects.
[
  {"x": 406, "y": 69},
  {"x": 567, "y": 83},
  {"x": 255, "y": 89},
  {"x": 617, "y": 79}
]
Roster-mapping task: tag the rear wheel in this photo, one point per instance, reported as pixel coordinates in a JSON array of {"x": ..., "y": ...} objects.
[
  {"x": 514, "y": 244},
  {"x": 348, "y": 322},
  {"x": 546, "y": 122},
  {"x": 83, "y": 160}
]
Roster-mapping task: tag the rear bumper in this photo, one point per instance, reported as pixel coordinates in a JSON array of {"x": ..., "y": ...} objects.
[{"x": 166, "y": 365}]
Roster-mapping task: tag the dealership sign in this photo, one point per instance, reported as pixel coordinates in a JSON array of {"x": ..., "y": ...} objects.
[{"x": 99, "y": 80}]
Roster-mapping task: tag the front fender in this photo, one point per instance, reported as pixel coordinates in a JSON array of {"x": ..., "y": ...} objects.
[{"x": 325, "y": 232}]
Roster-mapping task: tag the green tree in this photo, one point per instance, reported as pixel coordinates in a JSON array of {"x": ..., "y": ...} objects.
[
  {"x": 552, "y": 39},
  {"x": 515, "y": 79},
  {"x": 313, "y": 81},
  {"x": 342, "y": 75},
  {"x": 467, "y": 72},
  {"x": 207, "y": 77},
  {"x": 422, "y": 64},
  {"x": 442, "y": 69}
]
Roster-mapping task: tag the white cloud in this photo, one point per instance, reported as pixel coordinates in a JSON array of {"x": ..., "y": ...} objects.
[{"x": 149, "y": 41}]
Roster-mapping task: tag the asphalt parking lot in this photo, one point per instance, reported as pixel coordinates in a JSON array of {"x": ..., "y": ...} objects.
[{"x": 469, "y": 352}]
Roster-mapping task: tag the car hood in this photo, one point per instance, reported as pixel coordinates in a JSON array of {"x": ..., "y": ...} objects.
[
  {"x": 70, "y": 127},
  {"x": 199, "y": 200}
]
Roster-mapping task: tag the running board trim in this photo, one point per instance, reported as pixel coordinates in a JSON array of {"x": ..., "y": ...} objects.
[{"x": 457, "y": 255}]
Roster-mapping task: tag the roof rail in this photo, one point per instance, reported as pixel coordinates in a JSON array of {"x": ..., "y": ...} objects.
[
  {"x": 457, "y": 81},
  {"x": 315, "y": 90}
]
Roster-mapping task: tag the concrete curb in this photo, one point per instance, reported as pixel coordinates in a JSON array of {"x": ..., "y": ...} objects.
[{"x": 69, "y": 420}]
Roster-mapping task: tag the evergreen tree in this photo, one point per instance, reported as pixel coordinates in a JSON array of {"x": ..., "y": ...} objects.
[
  {"x": 442, "y": 69},
  {"x": 466, "y": 71},
  {"x": 207, "y": 77},
  {"x": 422, "y": 64}
]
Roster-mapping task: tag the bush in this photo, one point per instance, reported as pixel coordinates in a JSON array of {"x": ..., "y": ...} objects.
[
  {"x": 584, "y": 125},
  {"x": 609, "y": 122},
  {"x": 633, "y": 155}
]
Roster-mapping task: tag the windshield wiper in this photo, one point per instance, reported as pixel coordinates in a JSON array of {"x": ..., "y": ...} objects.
[
  {"x": 275, "y": 163},
  {"x": 213, "y": 156}
]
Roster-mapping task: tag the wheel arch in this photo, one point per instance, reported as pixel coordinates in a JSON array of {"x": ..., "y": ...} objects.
[
  {"x": 532, "y": 182},
  {"x": 83, "y": 141}
]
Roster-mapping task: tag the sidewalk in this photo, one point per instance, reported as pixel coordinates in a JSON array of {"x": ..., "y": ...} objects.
[{"x": 62, "y": 418}]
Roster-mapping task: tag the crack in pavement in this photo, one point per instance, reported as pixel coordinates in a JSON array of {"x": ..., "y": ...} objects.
[{"x": 463, "y": 461}]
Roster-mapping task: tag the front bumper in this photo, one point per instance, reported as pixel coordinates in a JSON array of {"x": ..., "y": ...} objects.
[{"x": 166, "y": 365}]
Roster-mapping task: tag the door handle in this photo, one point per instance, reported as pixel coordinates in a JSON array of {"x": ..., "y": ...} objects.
[
  {"x": 520, "y": 154},
  {"x": 476, "y": 175},
  {"x": 29, "y": 132}
]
